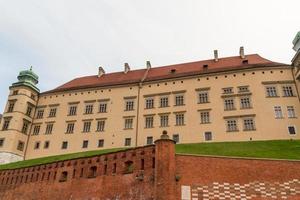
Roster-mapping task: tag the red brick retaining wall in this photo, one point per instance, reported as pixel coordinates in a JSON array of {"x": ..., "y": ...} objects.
[
  {"x": 100, "y": 177},
  {"x": 154, "y": 172},
  {"x": 233, "y": 178}
]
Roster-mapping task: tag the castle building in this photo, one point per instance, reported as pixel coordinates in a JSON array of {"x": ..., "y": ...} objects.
[{"x": 239, "y": 98}]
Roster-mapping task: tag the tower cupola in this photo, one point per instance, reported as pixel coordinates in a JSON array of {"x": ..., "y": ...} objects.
[{"x": 27, "y": 78}]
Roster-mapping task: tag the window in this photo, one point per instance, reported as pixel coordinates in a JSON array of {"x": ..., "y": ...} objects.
[
  {"x": 232, "y": 125},
  {"x": 228, "y": 90},
  {"x": 1, "y": 142},
  {"x": 100, "y": 125},
  {"x": 49, "y": 129},
  {"x": 249, "y": 124},
  {"x": 278, "y": 112},
  {"x": 64, "y": 145},
  {"x": 37, "y": 145},
  {"x": 271, "y": 91},
  {"x": 208, "y": 136},
  {"x": 70, "y": 127},
  {"x": 89, "y": 109},
  {"x": 29, "y": 110},
  {"x": 203, "y": 97},
  {"x": 164, "y": 120},
  {"x": 25, "y": 127},
  {"x": 245, "y": 102},
  {"x": 101, "y": 143},
  {"x": 20, "y": 146},
  {"x": 149, "y": 103},
  {"x": 40, "y": 114},
  {"x": 229, "y": 104},
  {"x": 179, "y": 119},
  {"x": 149, "y": 140},
  {"x": 32, "y": 96},
  {"x": 85, "y": 144},
  {"x": 46, "y": 144},
  {"x": 287, "y": 91},
  {"x": 176, "y": 138},
  {"x": 72, "y": 110},
  {"x": 291, "y": 112},
  {"x": 292, "y": 130},
  {"x": 128, "y": 123},
  {"x": 11, "y": 106},
  {"x": 86, "y": 126},
  {"x": 179, "y": 100},
  {"x": 129, "y": 105},
  {"x": 205, "y": 119},
  {"x": 15, "y": 92},
  {"x": 52, "y": 112},
  {"x": 164, "y": 102},
  {"x": 127, "y": 141},
  {"x": 6, "y": 124},
  {"x": 149, "y": 122},
  {"x": 243, "y": 89},
  {"x": 102, "y": 107},
  {"x": 36, "y": 130}
]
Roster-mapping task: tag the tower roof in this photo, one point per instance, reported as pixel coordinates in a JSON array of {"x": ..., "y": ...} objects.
[{"x": 27, "y": 78}]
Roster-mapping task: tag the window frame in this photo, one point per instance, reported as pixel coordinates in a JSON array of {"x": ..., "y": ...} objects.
[
  {"x": 203, "y": 96},
  {"x": 149, "y": 123},
  {"x": 208, "y": 136},
  {"x": 164, "y": 101},
  {"x": 294, "y": 127},
  {"x": 129, "y": 104},
  {"x": 179, "y": 119},
  {"x": 86, "y": 128},
  {"x": 164, "y": 120},
  {"x": 127, "y": 142},
  {"x": 231, "y": 106},
  {"x": 149, "y": 103},
  {"x": 273, "y": 92},
  {"x": 179, "y": 99},
  {"x": 52, "y": 112},
  {"x": 235, "y": 124}
]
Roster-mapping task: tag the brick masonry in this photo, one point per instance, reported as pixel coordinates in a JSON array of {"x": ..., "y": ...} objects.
[
  {"x": 237, "y": 179},
  {"x": 154, "y": 172}
]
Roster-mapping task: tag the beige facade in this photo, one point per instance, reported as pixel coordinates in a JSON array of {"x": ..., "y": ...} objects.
[{"x": 256, "y": 102}]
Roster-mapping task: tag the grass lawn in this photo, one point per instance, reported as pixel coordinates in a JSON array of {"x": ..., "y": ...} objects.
[
  {"x": 278, "y": 149},
  {"x": 27, "y": 163}
]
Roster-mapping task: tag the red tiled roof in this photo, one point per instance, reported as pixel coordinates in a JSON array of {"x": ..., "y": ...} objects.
[{"x": 164, "y": 72}]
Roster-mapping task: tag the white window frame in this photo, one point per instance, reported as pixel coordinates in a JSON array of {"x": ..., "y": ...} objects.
[{"x": 278, "y": 112}]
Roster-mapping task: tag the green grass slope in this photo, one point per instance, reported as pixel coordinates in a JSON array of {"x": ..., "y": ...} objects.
[
  {"x": 50, "y": 159},
  {"x": 277, "y": 149}
]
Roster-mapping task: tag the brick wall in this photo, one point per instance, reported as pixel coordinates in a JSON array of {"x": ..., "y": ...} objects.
[
  {"x": 233, "y": 178},
  {"x": 122, "y": 175},
  {"x": 154, "y": 173}
]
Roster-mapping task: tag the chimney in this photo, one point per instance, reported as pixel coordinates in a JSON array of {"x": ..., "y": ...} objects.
[
  {"x": 216, "y": 55},
  {"x": 148, "y": 64},
  {"x": 242, "y": 53},
  {"x": 126, "y": 68},
  {"x": 100, "y": 71}
]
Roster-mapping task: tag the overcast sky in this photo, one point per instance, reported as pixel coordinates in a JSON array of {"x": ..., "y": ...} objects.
[{"x": 64, "y": 39}]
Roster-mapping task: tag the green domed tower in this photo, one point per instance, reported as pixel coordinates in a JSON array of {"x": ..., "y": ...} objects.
[
  {"x": 18, "y": 116},
  {"x": 27, "y": 78}
]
